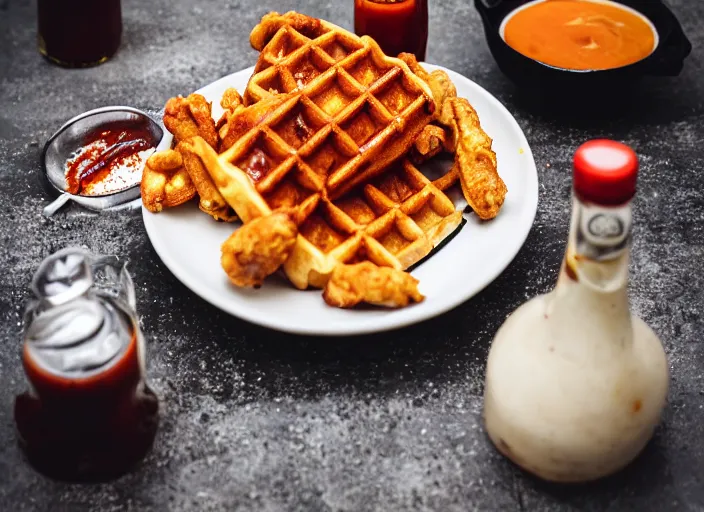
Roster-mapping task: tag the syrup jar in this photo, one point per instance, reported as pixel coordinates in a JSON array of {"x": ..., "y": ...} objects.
[
  {"x": 575, "y": 383},
  {"x": 88, "y": 413}
]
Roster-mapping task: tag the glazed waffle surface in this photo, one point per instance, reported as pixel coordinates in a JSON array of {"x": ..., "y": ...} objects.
[
  {"x": 350, "y": 110},
  {"x": 296, "y": 49},
  {"x": 316, "y": 159},
  {"x": 394, "y": 220},
  {"x": 335, "y": 118}
]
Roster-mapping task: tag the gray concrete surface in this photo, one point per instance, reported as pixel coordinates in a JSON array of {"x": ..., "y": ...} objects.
[{"x": 256, "y": 420}]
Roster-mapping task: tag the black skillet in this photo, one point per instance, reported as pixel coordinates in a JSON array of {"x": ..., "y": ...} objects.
[{"x": 667, "y": 59}]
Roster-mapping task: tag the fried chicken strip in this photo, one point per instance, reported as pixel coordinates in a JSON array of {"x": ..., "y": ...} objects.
[
  {"x": 211, "y": 200},
  {"x": 243, "y": 119},
  {"x": 431, "y": 141},
  {"x": 439, "y": 82},
  {"x": 350, "y": 285},
  {"x": 232, "y": 105},
  {"x": 231, "y": 99},
  {"x": 165, "y": 182},
  {"x": 475, "y": 161},
  {"x": 191, "y": 117},
  {"x": 258, "y": 249}
]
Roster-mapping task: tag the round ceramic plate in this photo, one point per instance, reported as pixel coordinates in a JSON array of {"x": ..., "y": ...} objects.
[{"x": 188, "y": 241}]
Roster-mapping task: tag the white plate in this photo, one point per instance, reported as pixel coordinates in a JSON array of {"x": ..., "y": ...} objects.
[{"x": 188, "y": 242}]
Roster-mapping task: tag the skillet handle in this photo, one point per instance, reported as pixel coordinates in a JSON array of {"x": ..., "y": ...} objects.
[
  {"x": 669, "y": 57},
  {"x": 490, "y": 4},
  {"x": 491, "y": 11}
]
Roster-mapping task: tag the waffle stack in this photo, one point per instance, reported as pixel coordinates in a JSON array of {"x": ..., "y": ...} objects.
[
  {"x": 316, "y": 159},
  {"x": 295, "y": 49},
  {"x": 393, "y": 221},
  {"x": 341, "y": 116},
  {"x": 364, "y": 108}
]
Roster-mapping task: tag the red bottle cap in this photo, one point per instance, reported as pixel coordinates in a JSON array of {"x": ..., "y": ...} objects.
[{"x": 605, "y": 172}]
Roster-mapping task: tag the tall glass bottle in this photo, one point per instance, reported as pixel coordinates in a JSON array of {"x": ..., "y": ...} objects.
[
  {"x": 575, "y": 383},
  {"x": 396, "y": 25},
  {"x": 79, "y": 33}
]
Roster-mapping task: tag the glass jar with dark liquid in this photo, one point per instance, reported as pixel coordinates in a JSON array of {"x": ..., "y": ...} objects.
[
  {"x": 79, "y": 33},
  {"x": 88, "y": 414},
  {"x": 396, "y": 25}
]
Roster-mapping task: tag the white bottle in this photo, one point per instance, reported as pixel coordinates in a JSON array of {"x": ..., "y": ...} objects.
[{"x": 575, "y": 383}]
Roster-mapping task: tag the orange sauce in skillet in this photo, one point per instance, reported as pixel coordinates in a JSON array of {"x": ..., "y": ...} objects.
[{"x": 580, "y": 34}]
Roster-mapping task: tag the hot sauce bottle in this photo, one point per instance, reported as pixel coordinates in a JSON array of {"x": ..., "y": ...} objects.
[
  {"x": 88, "y": 414},
  {"x": 79, "y": 33},
  {"x": 396, "y": 25},
  {"x": 575, "y": 382}
]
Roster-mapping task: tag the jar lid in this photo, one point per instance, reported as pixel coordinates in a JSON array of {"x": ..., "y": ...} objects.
[
  {"x": 63, "y": 276},
  {"x": 605, "y": 172}
]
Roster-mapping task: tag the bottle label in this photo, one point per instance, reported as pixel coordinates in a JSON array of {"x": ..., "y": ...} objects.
[
  {"x": 603, "y": 233},
  {"x": 605, "y": 227}
]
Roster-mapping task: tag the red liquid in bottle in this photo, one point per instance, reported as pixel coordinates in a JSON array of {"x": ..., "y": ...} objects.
[
  {"x": 396, "y": 25},
  {"x": 76, "y": 33},
  {"x": 90, "y": 424}
]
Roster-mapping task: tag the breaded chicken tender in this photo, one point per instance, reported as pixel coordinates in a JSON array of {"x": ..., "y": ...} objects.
[
  {"x": 232, "y": 104},
  {"x": 258, "y": 249},
  {"x": 475, "y": 164},
  {"x": 187, "y": 118},
  {"x": 439, "y": 82},
  {"x": 211, "y": 201},
  {"x": 239, "y": 120},
  {"x": 190, "y": 116},
  {"x": 431, "y": 141},
  {"x": 165, "y": 181},
  {"x": 475, "y": 161},
  {"x": 350, "y": 285}
]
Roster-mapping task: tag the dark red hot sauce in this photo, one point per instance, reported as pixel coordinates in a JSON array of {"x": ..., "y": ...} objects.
[
  {"x": 88, "y": 428},
  {"x": 77, "y": 33},
  {"x": 103, "y": 152},
  {"x": 396, "y": 25}
]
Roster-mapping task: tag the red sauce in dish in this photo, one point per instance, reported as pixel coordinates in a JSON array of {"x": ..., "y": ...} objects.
[
  {"x": 580, "y": 34},
  {"x": 103, "y": 153},
  {"x": 396, "y": 25}
]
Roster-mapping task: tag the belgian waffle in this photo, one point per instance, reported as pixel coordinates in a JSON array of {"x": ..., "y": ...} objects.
[
  {"x": 352, "y": 110},
  {"x": 394, "y": 220},
  {"x": 296, "y": 49},
  {"x": 330, "y": 149}
]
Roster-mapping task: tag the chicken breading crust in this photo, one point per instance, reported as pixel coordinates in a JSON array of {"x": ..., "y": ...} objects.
[
  {"x": 258, "y": 249},
  {"x": 364, "y": 282}
]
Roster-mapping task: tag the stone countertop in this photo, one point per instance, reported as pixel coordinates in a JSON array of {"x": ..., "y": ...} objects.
[{"x": 257, "y": 420}]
